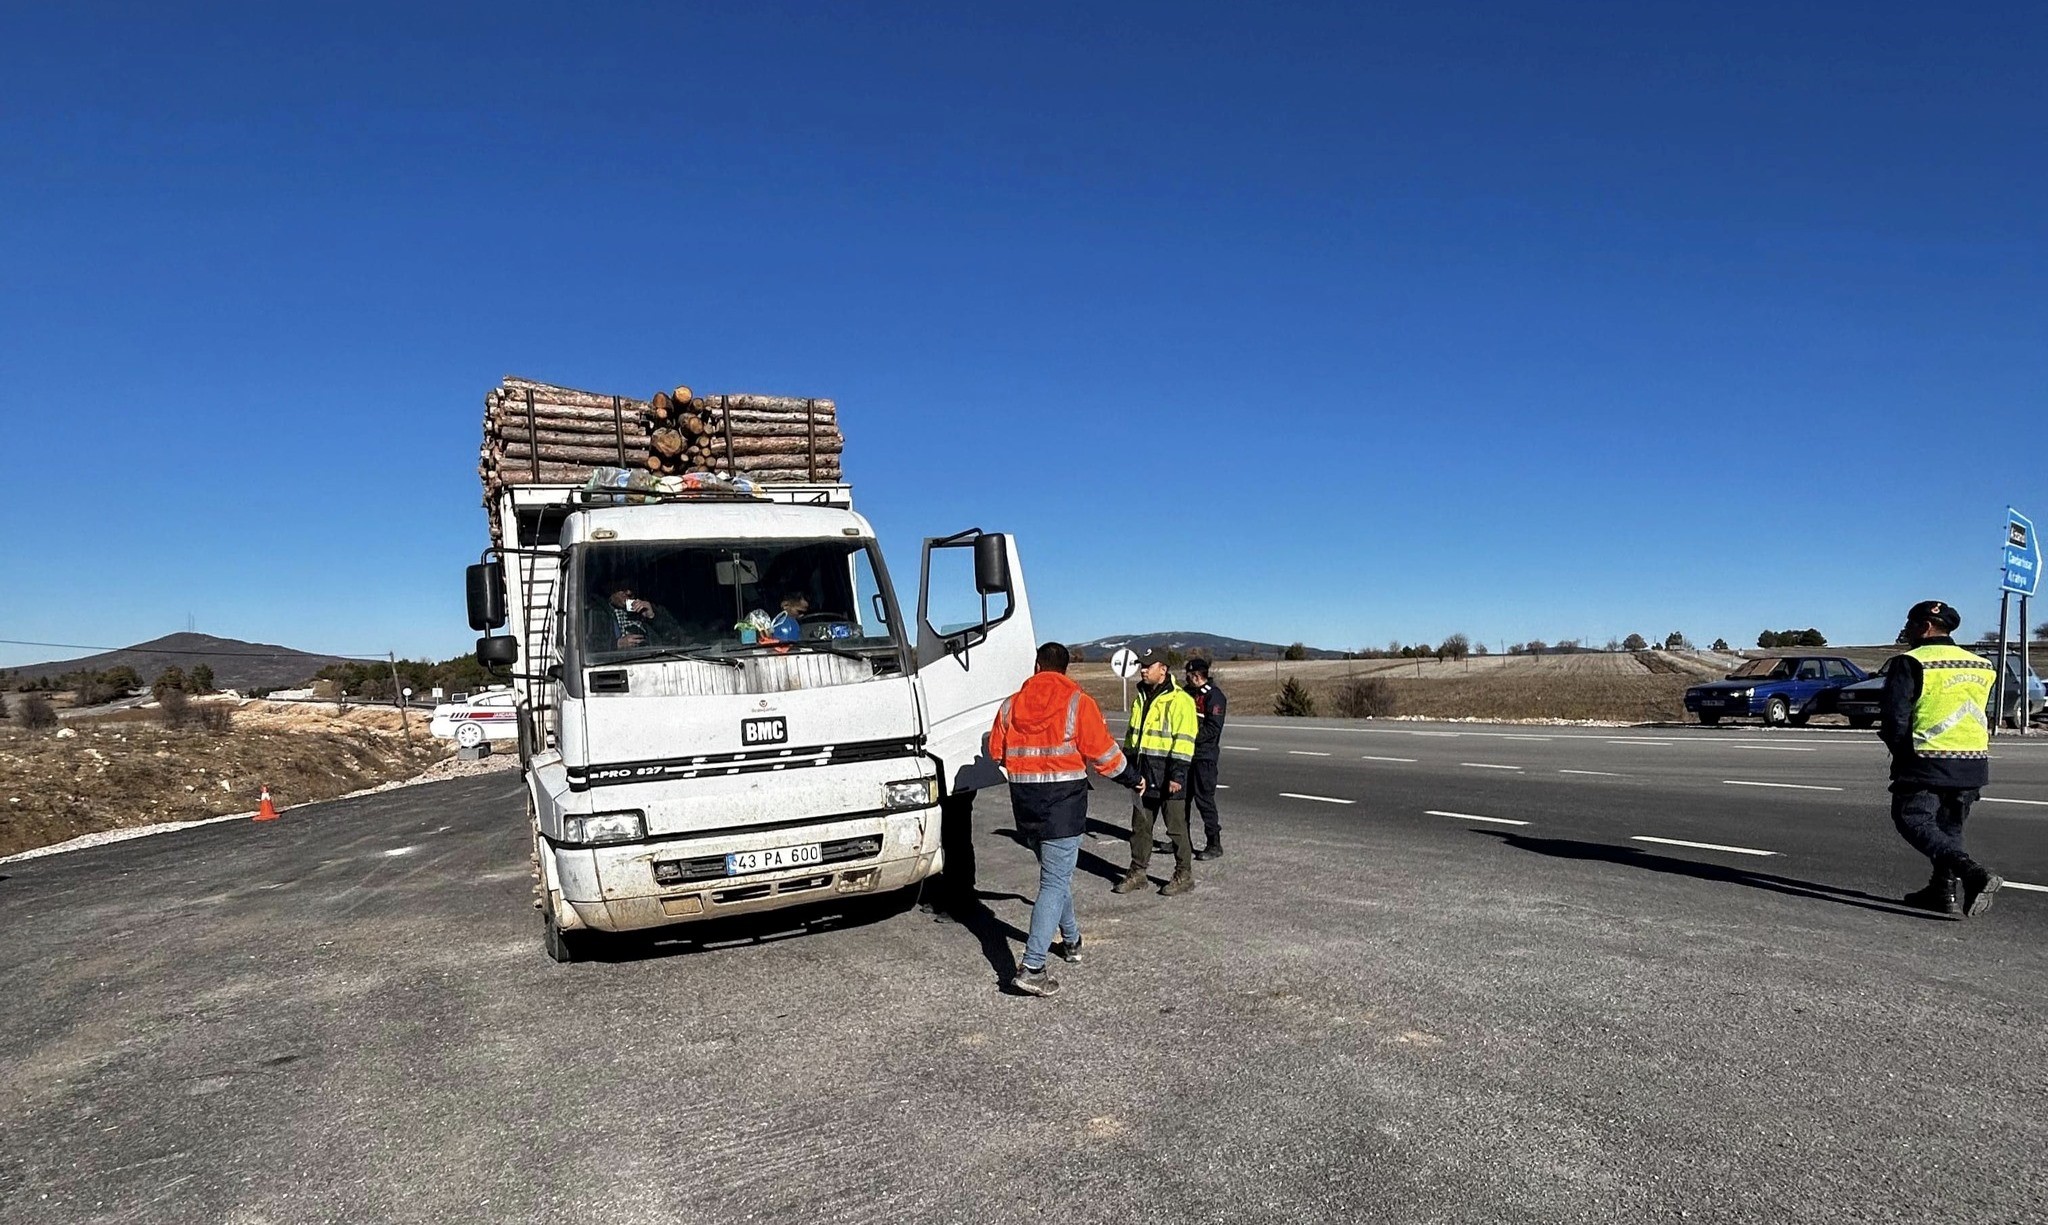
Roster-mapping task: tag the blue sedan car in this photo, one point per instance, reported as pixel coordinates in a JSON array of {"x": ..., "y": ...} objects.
[{"x": 1778, "y": 691}]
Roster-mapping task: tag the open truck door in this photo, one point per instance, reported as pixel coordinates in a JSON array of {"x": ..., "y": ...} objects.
[{"x": 975, "y": 647}]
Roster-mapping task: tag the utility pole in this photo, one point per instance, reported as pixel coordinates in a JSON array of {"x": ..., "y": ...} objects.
[{"x": 397, "y": 695}]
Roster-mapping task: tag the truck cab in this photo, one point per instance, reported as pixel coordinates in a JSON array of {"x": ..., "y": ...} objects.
[{"x": 724, "y": 708}]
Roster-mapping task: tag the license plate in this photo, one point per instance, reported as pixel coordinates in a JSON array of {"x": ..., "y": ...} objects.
[
  {"x": 1713, "y": 701},
  {"x": 740, "y": 862}
]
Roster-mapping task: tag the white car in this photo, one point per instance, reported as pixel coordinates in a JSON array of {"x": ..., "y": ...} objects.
[{"x": 487, "y": 716}]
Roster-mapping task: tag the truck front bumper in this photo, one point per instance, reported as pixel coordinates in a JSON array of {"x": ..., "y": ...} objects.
[{"x": 640, "y": 885}]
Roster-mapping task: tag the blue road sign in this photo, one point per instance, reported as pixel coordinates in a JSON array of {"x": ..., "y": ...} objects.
[{"x": 2022, "y": 554}]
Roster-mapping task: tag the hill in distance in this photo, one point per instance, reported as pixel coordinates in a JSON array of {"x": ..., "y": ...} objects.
[
  {"x": 236, "y": 664},
  {"x": 1192, "y": 642}
]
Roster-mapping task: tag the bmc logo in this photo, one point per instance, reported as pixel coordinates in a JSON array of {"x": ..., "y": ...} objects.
[{"x": 764, "y": 731}]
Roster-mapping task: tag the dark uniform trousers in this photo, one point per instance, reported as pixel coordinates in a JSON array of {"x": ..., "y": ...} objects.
[
  {"x": 1175, "y": 809},
  {"x": 1202, "y": 789},
  {"x": 1931, "y": 820}
]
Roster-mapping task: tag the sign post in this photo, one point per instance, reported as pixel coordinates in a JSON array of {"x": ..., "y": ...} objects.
[
  {"x": 2022, "y": 577},
  {"x": 1125, "y": 664}
]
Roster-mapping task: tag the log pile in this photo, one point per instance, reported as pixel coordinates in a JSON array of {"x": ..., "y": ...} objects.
[{"x": 539, "y": 433}]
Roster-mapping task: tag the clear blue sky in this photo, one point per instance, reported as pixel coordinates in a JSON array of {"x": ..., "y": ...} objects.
[{"x": 1341, "y": 324}]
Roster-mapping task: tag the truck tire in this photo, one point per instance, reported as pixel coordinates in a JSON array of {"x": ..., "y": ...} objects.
[
  {"x": 1708, "y": 718},
  {"x": 1777, "y": 712},
  {"x": 560, "y": 945}
]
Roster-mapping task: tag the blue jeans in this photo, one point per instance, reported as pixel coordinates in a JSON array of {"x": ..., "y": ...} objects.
[{"x": 1054, "y": 909}]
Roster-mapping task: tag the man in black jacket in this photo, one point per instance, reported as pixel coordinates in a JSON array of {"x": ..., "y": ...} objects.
[
  {"x": 1210, "y": 708},
  {"x": 1934, "y": 722}
]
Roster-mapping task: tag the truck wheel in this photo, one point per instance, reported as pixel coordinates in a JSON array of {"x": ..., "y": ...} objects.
[
  {"x": 469, "y": 735},
  {"x": 1777, "y": 712},
  {"x": 560, "y": 945},
  {"x": 1862, "y": 721},
  {"x": 1709, "y": 719}
]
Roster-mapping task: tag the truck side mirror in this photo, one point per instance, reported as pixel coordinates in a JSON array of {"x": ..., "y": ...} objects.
[
  {"x": 486, "y": 584},
  {"x": 501, "y": 650},
  {"x": 991, "y": 565}
]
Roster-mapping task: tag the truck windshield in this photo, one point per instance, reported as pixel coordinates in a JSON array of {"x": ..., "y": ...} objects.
[{"x": 730, "y": 601}]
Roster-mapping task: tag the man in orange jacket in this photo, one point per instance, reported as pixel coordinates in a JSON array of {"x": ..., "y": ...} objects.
[{"x": 1048, "y": 735}]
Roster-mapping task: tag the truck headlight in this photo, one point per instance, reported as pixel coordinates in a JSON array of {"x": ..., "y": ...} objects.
[
  {"x": 910, "y": 793},
  {"x": 605, "y": 827}
]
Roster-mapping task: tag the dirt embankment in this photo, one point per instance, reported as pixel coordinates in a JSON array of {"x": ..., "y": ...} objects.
[{"x": 127, "y": 769}]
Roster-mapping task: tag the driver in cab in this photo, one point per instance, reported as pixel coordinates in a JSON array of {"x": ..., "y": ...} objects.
[{"x": 624, "y": 621}]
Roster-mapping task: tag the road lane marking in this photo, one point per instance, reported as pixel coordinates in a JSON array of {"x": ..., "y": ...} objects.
[
  {"x": 1701, "y": 846},
  {"x": 1320, "y": 799},
  {"x": 1736, "y": 782},
  {"x": 1473, "y": 816},
  {"x": 2015, "y": 884},
  {"x": 1242, "y": 748},
  {"x": 1223, "y": 786},
  {"x": 1487, "y": 765},
  {"x": 1999, "y": 799},
  {"x": 1773, "y": 748},
  {"x": 1404, "y": 760},
  {"x": 1596, "y": 773},
  {"x": 1305, "y": 753},
  {"x": 1660, "y": 744}
]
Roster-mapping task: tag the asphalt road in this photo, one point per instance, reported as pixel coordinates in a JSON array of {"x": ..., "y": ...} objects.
[{"x": 1367, "y": 1011}]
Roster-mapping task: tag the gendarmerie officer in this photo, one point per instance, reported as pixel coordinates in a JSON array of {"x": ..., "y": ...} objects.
[
  {"x": 1210, "y": 709},
  {"x": 1935, "y": 723}
]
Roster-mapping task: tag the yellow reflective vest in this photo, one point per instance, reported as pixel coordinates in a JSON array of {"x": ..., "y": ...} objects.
[
  {"x": 1955, "y": 692},
  {"x": 1164, "y": 725}
]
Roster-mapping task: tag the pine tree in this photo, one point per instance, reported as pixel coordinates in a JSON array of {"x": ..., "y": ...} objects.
[
  {"x": 201, "y": 680},
  {"x": 1295, "y": 701}
]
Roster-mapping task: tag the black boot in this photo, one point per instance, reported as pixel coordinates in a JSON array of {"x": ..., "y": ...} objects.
[
  {"x": 1939, "y": 896},
  {"x": 1979, "y": 886},
  {"x": 1214, "y": 849}
]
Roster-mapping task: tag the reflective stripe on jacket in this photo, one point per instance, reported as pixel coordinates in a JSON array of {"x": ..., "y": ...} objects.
[
  {"x": 1949, "y": 720},
  {"x": 1051, "y": 732},
  {"x": 1162, "y": 725}
]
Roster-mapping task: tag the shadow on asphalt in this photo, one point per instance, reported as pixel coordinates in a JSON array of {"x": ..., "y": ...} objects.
[
  {"x": 747, "y": 930},
  {"x": 1088, "y": 861},
  {"x": 1649, "y": 861}
]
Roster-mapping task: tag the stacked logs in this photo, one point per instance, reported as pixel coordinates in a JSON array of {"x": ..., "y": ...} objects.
[
  {"x": 765, "y": 438},
  {"x": 539, "y": 433}
]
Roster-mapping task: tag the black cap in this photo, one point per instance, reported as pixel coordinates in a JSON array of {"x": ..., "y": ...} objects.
[
  {"x": 1152, "y": 655},
  {"x": 1943, "y": 615},
  {"x": 1198, "y": 664}
]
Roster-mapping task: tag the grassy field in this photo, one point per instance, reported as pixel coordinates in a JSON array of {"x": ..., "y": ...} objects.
[{"x": 1644, "y": 687}]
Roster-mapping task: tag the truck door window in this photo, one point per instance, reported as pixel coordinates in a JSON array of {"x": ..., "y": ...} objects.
[{"x": 952, "y": 605}]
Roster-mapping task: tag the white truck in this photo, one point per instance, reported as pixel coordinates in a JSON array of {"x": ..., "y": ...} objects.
[{"x": 682, "y": 764}]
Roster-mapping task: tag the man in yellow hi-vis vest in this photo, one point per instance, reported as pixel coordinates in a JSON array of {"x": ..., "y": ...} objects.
[
  {"x": 1161, "y": 739},
  {"x": 1934, "y": 721}
]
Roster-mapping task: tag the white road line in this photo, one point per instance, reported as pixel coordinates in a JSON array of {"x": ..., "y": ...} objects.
[
  {"x": 1772, "y": 748},
  {"x": 1320, "y": 799},
  {"x": 1223, "y": 786},
  {"x": 1596, "y": 773},
  {"x": 2015, "y": 884},
  {"x": 1242, "y": 748},
  {"x": 1473, "y": 816},
  {"x": 1403, "y": 760},
  {"x": 1736, "y": 782},
  {"x": 1305, "y": 753},
  {"x": 1701, "y": 846},
  {"x": 1999, "y": 799},
  {"x": 1487, "y": 765},
  {"x": 1658, "y": 744}
]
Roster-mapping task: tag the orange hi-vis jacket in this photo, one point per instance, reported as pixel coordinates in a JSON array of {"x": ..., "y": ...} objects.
[{"x": 1051, "y": 732}]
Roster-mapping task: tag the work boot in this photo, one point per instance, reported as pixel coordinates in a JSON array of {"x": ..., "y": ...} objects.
[
  {"x": 1035, "y": 982},
  {"x": 1133, "y": 881},
  {"x": 1214, "y": 848},
  {"x": 1979, "y": 887},
  {"x": 1939, "y": 896},
  {"x": 1068, "y": 952},
  {"x": 1183, "y": 882}
]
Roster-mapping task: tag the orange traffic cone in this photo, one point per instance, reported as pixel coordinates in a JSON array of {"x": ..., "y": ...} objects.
[{"x": 265, "y": 810}]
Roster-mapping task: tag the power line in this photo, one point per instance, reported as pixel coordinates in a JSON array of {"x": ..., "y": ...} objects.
[{"x": 150, "y": 650}]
